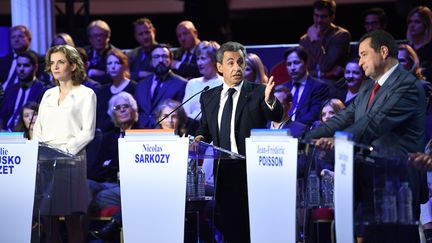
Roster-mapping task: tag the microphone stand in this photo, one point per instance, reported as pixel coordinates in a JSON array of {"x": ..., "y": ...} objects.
[{"x": 178, "y": 107}]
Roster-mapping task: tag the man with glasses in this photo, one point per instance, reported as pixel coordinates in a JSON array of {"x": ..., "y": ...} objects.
[
  {"x": 163, "y": 84},
  {"x": 99, "y": 34},
  {"x": 374, "y": 19},
  {"x": 327, "y": 44}
]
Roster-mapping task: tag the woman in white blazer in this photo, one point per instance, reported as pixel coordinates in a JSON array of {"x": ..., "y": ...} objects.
[{"x": 66, "y": 120}]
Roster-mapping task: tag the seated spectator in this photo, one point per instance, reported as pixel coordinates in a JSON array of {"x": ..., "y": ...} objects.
[
  {"x": 177, "y": 120},
  {"x": 374, "y": 19},
  {"x": 326, "y": 44},
  {"x": 255, "y": 71},
  {"x": 99, "y": 34},
  {"x": 88, "y": 81},
  {"x": 20, "y": 39},
  {"x": 184, "y": 58},
  {"x": 27, "y": 119},
  {"x": 283, "y": 94},
  {"x": 419, "y": 36},
  {"x": 62, "y": 39},
  {"x": 354, "y": 77},
  {"x": 140, "y": 57},
  {"x": 162, "y": 85},
  {"x": 408, "y": 59},
  {"x": 206, "y": 60},
  {"x": 328, "y": 110},
  {"x": 28, "y": 89},
  {"x": 308, "y": 93},
  {"x": 118, "y": 69},
  {"x": 103, "y": 182}
]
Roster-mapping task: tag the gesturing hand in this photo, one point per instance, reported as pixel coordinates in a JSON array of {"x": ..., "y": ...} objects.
[{"x": 269, "y": 91}]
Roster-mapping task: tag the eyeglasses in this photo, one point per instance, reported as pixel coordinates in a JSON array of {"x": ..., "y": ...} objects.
[
  {"x": 121, "y": 107},
  {"x": 98, "y": 35},
  {"x": 164, "y": 56}
]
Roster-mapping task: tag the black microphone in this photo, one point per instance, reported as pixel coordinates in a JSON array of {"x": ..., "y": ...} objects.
[{"x": 178, "y": 107}]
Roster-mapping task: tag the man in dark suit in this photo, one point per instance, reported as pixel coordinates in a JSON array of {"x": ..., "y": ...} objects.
[
  {"x": 308, "y": 93},
  {"x": 99, "y": 34},
  {"x": 163, "y": 84},
  {"x": 389, "y": 112},
  {"x": 27, "y": 89},
  {"x": 140, "y": 57},
  {"x": 229, "y": 112},
  {"x": 20, "y": 39},
  {"x": 184, "y": 63}
]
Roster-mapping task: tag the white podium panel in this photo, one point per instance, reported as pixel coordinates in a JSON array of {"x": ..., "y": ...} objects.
[
  {"x": 153, "y": 187},
  {"x": 271, "y": 164},
  {"x": 343, "y": 189},
  {"x": 18, "y": 162}
]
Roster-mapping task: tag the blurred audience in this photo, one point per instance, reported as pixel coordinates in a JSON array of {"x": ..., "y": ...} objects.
[
  {"x": 118, "y": 69},
  {"x": 163, "y": 84},
  {"x": 99, "y": 34},
  {"x": 206, "y": 60},
  {"x": 326, "y": 44},
  {"x": 374, "y": 19},
  {"x": 62, "y": 39},
  {"x": 184, "y": 58},
  {"x": 308, "y": 93},
  {"x": 140, "y": 57},
  {"x": 27, "y": 119},
  {"x": 255, "y": 71}
]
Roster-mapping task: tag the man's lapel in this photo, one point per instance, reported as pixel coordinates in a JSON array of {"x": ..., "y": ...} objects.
[{"x": 243, "y": 98}]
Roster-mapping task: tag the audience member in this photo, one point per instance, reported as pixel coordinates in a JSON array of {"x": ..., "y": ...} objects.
[
  {"x": 163, "y": 84},
  {"x": 88, "y": 81},
  {"x": 20, "y": 38},
  {"x": 354, "y": 77},
  {"x": 177, "y": 120},
  {"x": 29, "y": 88},
  {"x": 140, "y": 57},
  {"x": 308, "y": 93},
  {"x": 206, "y": 60},
  {"x": 419, "y": 36},
  {"x": 62, "y": 39},
  {"x": 328, "y": 110},
  {"x": 283, "y": 94},
  {"x": 103, "y": 182},
  {"x": 66, "y": 120},
  {"x": 27, "y": 119},
  {"x": 184, "y": 60},
  {"x": 374, "y": 19},
  {"x": 326, "y": 44},
  {"x": 255, "y": 71},
  {"x": 99, "y": 34},
  {"x": 118, "y": 69}
]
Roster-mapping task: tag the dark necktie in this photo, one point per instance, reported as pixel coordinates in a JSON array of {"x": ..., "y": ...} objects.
[
  {"x": 188, "y": 57},
  {"x": 14, "y": 118},
  {"x": 225, "y": 127},
  {"x": 156, "y": 90},
  {"x": 375, "y": 89},
  {"x": 295, "y": 99}
]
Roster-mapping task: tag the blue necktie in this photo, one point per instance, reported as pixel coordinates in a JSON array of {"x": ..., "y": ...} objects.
[
  {"x": 295, "y": 99},
  {"x": 225, "y": 127}
]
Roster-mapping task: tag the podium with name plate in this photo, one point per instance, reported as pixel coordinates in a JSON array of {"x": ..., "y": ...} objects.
[
  {"x": 18, "y": 160},
  {"x": 271, "y": 165},
  {"x": 153, "y": 168}
]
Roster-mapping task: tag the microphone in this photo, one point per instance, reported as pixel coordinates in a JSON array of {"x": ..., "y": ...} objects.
[{"x": 178, "y": 107}]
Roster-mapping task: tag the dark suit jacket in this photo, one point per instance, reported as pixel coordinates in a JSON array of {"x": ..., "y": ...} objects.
[
  {"x": 6, "y": 64},
  {"x": 251, "y": 112},
  {"x": 186, "y": 70},
  {"x": 309, "y": 106},
  {"x": 173, "y": 87},
  {"x": 395, "y": 119},
  {"x": 136, "y": 63},
  {"x": 8, "y": 105}
]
